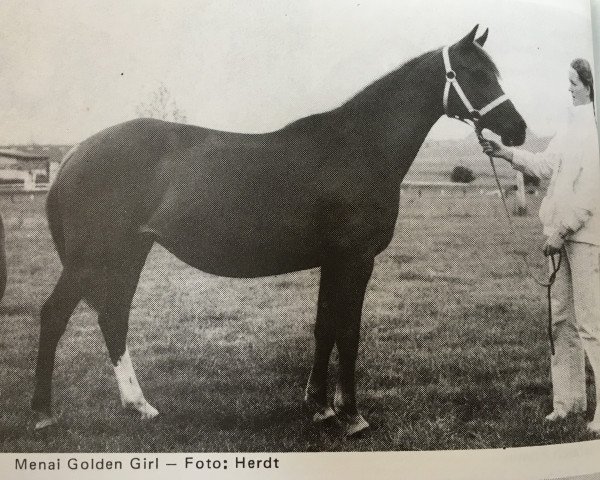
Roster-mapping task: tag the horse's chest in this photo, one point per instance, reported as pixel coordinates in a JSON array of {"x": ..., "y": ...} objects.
[{"x": 361, "y": 225}]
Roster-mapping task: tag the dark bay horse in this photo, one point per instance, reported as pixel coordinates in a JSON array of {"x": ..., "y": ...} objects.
[{"x": 321, "y": 192}]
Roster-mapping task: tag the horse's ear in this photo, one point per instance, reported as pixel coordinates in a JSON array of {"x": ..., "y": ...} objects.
[
  {"x": 481, "y": 40},
  {"x": 470, "y": 38}
]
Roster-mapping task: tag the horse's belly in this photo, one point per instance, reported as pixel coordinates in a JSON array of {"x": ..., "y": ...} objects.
[{"x": 240, "y": 254}]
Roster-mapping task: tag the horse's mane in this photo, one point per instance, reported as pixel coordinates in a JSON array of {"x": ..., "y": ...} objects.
[
  {"x": 370, "y": 97},
  {"x": 395, "y": 78},
  {"x": 389, "y": 82}
]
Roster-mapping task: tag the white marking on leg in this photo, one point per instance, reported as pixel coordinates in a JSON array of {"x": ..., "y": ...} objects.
[
  {"x": 129, "y": 388},
  {"x": 45, "y": 420}
]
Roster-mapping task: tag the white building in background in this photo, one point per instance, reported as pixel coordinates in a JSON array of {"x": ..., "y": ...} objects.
[
  {"x": 29, "y": 167},
  {"x": 23, "y": 170}
]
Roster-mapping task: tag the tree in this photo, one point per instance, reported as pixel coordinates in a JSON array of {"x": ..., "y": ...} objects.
[
  {"x": 462, "y": 174},
  {"x": 162, "y": 106}
]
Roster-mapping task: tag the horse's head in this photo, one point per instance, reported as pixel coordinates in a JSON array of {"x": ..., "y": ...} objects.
[{"x": 473, "y": 84}]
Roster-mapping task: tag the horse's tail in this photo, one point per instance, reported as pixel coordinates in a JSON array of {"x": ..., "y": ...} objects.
[{"x": 53, "y": 211}]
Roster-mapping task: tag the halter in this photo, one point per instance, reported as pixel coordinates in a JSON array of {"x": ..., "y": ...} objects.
[{"x": 451, "y": 81}]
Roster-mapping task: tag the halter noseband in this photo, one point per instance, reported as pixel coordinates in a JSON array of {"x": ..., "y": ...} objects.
[{"x": 452, "y": 81}]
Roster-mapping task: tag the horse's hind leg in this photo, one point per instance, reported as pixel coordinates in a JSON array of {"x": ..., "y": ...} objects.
[
  {"x": 54, "y": 318},
  {"x": 113, "y": 316},
  {"x": 114, "y": 323}
]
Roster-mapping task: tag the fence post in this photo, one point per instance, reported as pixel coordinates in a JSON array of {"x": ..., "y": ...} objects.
[
  {"x": 521, "y": 205},
  {"x": 28, "y": 181}
]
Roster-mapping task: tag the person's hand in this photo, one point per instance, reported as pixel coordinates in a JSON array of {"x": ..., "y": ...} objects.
[
  {"x": 553, "y": 244},
  {"x": 495, "y": 149}
]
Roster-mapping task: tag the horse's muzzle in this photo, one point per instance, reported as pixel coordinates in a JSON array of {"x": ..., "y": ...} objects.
[{"x": 515, "y": 136}]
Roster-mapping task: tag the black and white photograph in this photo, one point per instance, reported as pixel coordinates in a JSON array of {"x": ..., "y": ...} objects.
[{"x": 275, "y": 226}]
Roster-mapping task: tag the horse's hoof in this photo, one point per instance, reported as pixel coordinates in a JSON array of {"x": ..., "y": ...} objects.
[
  {"x": 324, "y": 414},
  {"x": 45, "y": 420},
  {"x": 352, "y": 424},
  {"x": 148, "y": 411},
  {"x": 320, "y": 413}
]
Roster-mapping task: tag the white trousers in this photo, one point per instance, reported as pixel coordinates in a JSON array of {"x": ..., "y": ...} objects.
[{"x": 576, "y": 327}]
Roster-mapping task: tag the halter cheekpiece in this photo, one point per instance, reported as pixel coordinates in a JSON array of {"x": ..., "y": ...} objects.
[{"x": 451, "y": 81}]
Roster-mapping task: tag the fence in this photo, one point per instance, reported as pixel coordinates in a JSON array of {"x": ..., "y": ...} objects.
[
  {"x": 445, "y": 188},
  {"x": 20, "y": 189},
  {"x": 431, "y": 188}
]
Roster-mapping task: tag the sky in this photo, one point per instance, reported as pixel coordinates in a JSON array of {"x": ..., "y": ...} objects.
[{"x": 69, "y": 68}]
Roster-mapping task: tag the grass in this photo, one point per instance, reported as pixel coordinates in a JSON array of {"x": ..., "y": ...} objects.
[{"x": 453, "y": 352}]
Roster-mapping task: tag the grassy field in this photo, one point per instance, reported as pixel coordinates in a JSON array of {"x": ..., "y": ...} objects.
[{"x": 453, "y": 354}]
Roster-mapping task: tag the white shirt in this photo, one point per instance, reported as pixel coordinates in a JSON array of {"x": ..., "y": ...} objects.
[{"x": 572, "y": 164}]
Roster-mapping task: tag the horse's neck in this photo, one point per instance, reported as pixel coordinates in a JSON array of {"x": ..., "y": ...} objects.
[{"x": 395, "y": 114}]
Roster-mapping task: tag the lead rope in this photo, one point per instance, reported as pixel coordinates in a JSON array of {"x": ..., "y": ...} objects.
[{"x": 555, "y": 264}]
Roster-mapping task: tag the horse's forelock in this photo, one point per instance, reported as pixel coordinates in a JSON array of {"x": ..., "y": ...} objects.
[
  {"x": 481, "y": 57},
  {"x": 486, "y": 60}
]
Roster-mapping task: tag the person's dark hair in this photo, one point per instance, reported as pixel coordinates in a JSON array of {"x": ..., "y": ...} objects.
[{"x": 584, "y": 71}]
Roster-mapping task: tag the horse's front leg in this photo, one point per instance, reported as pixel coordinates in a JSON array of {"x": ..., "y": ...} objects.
[
  {"x": 343, "y": 286},
  {"x": 316, "y": 390}
]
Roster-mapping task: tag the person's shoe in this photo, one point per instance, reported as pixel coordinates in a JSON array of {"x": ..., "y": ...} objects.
[
  {"x": 555, "y": 415},
  {"x": 594, "y": 426}
]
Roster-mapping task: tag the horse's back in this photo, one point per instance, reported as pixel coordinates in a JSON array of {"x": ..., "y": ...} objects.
[{"x": 222, "y": 201}]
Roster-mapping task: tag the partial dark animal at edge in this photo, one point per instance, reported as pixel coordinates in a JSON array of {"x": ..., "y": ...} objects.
[{"x": 3, "y": 267}]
